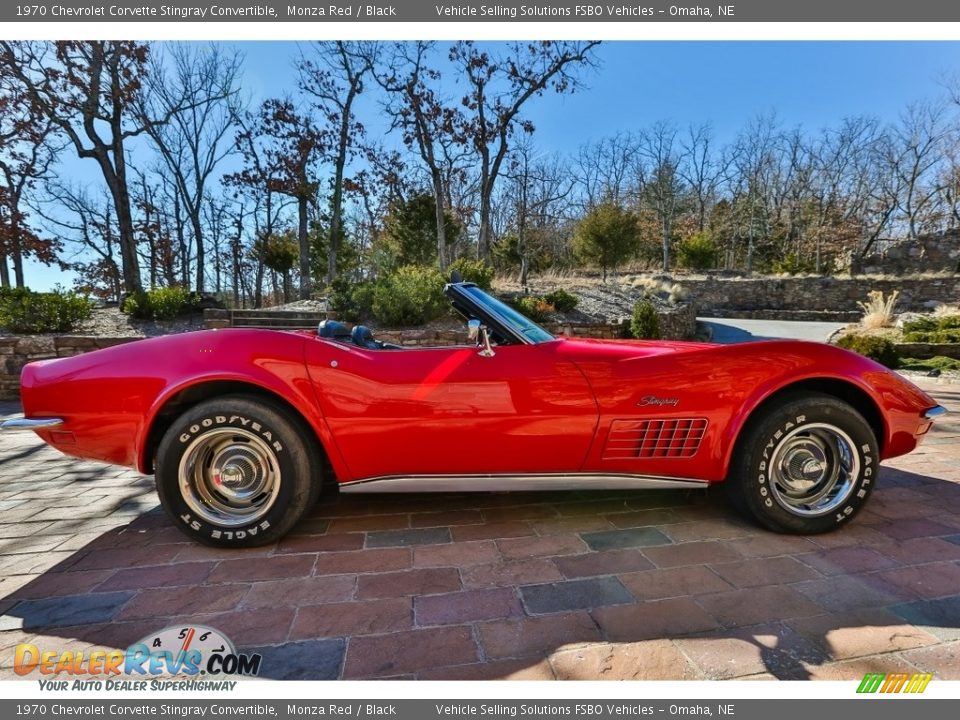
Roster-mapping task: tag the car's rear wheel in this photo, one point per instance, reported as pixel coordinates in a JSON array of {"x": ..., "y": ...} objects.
[
  {"x": 805, "y": 466},
  {"x": 237, "y": 471}
]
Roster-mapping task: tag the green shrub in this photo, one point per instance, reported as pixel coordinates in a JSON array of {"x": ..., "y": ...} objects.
[
  {"x": 646, "y": 322},
  {"x": 697, "y": 252},
  {"x": 874, "y": 347},
  {"x": 939, "y": 337},
  {"x": 938, "y": 362},
  {"x": 25, "y": 311},
  {"x": 921, "y": 325},
  {"x": 164, "y": 303},
  {"x": 944, "y": 329},
  {"x": 561, "y": 300},
  {"x": 608, "y": 235},
  {"x": 475, "y": 271},
  {"x": 534, "y": 307},
  {"x": 410, "y": 295},
  {"x": 351, "y": 300},
  {"x": 793, "y": 264},
  {"x": 943, "y": 337}
]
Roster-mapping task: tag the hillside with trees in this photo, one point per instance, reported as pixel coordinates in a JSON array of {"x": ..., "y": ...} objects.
[{"x": 189, "y": 183}]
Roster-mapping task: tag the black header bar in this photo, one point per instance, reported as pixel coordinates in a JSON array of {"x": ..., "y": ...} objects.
[{"x": 421, "y": 11}]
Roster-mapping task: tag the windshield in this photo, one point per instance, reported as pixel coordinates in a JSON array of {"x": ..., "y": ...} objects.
[{"x": 521, "y": 324}]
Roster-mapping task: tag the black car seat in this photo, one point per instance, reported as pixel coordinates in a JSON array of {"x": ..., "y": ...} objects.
[
  {"x": 333, "y": 330},
  {"x": 363, "y": 337}
]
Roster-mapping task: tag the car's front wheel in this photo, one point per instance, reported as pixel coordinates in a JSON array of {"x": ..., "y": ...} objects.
[
  {"x": 236, "y": 471},
  {"x": 805, "y": 466}
]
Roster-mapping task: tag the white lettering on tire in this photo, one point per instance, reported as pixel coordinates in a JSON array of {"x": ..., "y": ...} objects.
[{"x": 209, "y": 422}]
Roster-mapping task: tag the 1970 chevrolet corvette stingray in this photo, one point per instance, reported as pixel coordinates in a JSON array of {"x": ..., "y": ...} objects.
[{"x": 240, "y": 425}]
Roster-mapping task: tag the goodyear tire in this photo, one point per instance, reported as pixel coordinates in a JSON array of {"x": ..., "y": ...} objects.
[
  {"x": 237, "y": 471},
  {"x": 805, "y": 466}
]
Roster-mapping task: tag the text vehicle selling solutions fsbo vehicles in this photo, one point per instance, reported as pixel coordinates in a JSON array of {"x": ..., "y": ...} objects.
[{"x": 240, "y": 425}]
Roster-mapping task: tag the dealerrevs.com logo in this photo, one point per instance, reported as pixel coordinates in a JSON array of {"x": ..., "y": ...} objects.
[
  {"x": 178, "y": 650},
  {"x": 894, "y": 683}
]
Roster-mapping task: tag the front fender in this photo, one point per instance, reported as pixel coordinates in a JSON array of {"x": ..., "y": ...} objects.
[{"x": 896, "y": 404}]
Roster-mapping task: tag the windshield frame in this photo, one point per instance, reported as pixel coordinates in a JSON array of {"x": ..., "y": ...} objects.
[{"x": 472, "y": 301}]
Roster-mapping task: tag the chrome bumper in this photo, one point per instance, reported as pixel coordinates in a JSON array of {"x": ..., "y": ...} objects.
[
  {"x": 30, "y": 423},
  {"x": 935, "y": 412}
]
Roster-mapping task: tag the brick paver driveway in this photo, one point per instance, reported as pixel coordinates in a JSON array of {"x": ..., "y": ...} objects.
[{"x": 644, "y": 585}]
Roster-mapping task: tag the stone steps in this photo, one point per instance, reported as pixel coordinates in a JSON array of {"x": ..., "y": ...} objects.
[{"x": 276, "y": 319}]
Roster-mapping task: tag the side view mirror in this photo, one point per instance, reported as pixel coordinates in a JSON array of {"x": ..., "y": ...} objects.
[{"x": 478, "y": 331}]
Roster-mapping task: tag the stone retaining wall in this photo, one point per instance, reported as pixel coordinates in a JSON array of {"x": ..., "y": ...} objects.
[
  {"x": 925, "y": 351},
  {"x": 729, "y": 297},
  {"x": 928, "y": 253},
  {"x": 17, "y": 350}
]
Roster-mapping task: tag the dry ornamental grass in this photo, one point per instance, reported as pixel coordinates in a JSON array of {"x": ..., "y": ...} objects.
[{"x": 878, "y": 310}]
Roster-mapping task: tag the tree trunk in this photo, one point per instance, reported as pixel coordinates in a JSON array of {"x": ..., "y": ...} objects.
[
  {"x": 235, "y": 258},
  {"x": 336, "y": 210},
  {"x": 181, "y": 243},
  {"x": 666, "y": 243},
  {"x": 4, "y": 271},
  {"x": 258, "y": 285},
  {"x": 128, "y": 243},
  {"x": 198, "y": 238},
  {"x": 441, "y": 219},
  {"x": 16, "y": 250},
  {"x": 483, "y": 239},
  {"x": 115, "y": 175},
  {"x": 305, "y": 250},
  {"x": 522, "y": 225}
]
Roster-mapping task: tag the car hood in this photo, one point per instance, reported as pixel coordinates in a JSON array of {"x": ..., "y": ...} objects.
[
  {"x": 613, "y": 350},
  {"x": 763, "y": 365}
]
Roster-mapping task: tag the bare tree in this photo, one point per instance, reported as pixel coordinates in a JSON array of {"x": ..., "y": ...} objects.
[
  {"x": 919, "y": 139},
  {"x": 605, "y": 169},
  {"x": 334, "y": 77},
  {"x": 280, "y": 147},
  {"x": 536, "y": 186},
  {"x": 27, "y": 150},
  {"x": 197, "y": 89},
  {"x": 428, "y": 123},
  {"x": 93, "y": 92},
  {"x": 498, "y": 88},
  {"x": 660, "y": 179},
  {"x": 753, "y": 159},
  {"x": 87, "y": 224},
  {"x": 701, "y": 169}
]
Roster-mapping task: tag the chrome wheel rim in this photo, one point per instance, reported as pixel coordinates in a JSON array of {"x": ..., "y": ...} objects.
[
  {"x": 229, "y": 477},
  {"x": 813, "y": 469}
]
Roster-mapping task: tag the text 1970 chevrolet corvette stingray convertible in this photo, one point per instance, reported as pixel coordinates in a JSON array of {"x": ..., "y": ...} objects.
[{"x": 239, "y": 425}]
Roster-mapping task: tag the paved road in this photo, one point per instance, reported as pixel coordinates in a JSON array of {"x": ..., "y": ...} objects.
[
  {"x": 640, "y": 585},
  {"x": 730, "y": 330}
]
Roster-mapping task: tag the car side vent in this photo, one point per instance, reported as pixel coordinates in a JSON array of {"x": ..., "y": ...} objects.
[{"x": 654, "y": 438}]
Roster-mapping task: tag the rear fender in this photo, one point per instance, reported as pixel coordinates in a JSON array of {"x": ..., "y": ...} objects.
[{"x": 283, "y": 375}]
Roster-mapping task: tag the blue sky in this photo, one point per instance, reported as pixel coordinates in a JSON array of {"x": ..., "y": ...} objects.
[
  {"x": 811, "y": 84},
  {"x": 814, "y": 84}
]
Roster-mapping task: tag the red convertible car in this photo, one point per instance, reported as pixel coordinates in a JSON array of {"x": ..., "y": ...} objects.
[{"x": 240, "y": 426}]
